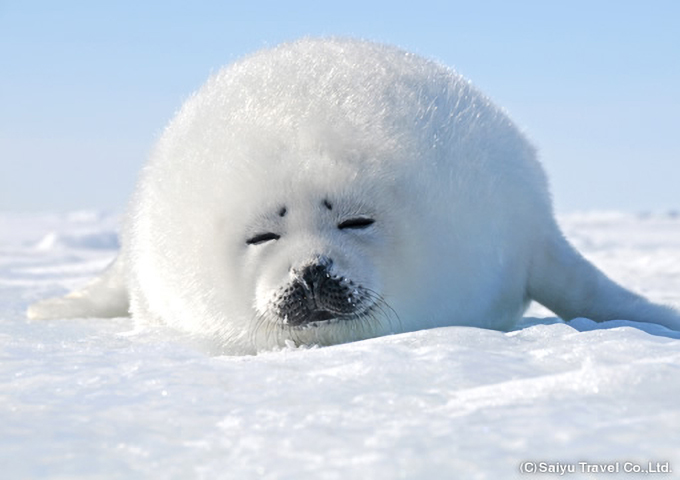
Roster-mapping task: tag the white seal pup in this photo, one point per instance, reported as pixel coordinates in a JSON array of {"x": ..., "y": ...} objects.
[{"x": 332, "y": 190}]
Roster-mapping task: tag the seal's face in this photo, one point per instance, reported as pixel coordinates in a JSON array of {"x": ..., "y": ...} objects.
[{"x": 312, "y": 264}]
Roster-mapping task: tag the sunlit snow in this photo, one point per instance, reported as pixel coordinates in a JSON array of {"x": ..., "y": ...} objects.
[{"x": 94, "y": 398}]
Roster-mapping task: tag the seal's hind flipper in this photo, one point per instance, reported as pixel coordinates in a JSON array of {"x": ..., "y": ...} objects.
[
  {"x": 105, "y": 297},
  {"x": 571, "y": 286}
]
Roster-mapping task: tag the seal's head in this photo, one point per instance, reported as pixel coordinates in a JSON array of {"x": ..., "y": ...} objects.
[{"x": 331, "y": 190}]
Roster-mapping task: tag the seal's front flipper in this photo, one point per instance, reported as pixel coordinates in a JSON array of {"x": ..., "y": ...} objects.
[{"x": 105, "y": 297}]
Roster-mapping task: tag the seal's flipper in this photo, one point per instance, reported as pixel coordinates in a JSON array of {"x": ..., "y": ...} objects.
[
  {"x": 569, "y": 285},
  {"x": 105, "y": 296}
]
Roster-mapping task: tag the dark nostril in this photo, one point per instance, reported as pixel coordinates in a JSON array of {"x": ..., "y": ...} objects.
[
  {"x": 318, "y": 271},
  {"x": 314, "y": 274}
]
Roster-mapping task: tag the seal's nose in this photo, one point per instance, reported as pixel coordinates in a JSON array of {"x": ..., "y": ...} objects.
[{"x": 315, "y": 273}]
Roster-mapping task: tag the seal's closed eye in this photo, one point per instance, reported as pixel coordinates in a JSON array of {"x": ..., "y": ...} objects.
[
  {"x": 262, "y": 238},
  {"x": 356, "y": 223}
]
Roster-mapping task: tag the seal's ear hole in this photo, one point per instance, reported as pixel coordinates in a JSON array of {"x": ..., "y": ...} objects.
[
  {"x": 356, "y": 223},
  {"x": 262, "y": 238}
]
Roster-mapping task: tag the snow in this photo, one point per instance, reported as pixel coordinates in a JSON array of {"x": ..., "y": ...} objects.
[{"x": 101, "y": 399}]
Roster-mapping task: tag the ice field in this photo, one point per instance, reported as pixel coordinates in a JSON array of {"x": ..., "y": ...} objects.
[{"x": 99, "y": 399}]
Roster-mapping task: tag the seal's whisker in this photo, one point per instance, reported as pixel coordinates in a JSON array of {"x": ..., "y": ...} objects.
[
  {"x": 388, "y": 313},
  {"x": 261, "y": 328}
]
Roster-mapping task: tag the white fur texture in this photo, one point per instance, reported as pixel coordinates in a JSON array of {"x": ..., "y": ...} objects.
[{"x": 463, "y": 235}]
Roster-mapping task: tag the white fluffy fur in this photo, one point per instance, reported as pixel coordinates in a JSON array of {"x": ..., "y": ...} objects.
[{"x": 464, "y": 232}]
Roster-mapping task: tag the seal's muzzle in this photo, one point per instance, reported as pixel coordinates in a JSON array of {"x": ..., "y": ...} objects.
[{"x": 316, "y": 294}]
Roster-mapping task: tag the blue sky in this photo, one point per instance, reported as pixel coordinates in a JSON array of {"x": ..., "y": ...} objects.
[{"x": 86, "y": 87}]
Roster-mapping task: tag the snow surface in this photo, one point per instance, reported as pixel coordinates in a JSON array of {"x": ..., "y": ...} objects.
[{"x": 99, "y": 399}]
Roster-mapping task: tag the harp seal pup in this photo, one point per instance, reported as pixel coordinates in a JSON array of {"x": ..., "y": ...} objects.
[{"x": 331, "y": 190}]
